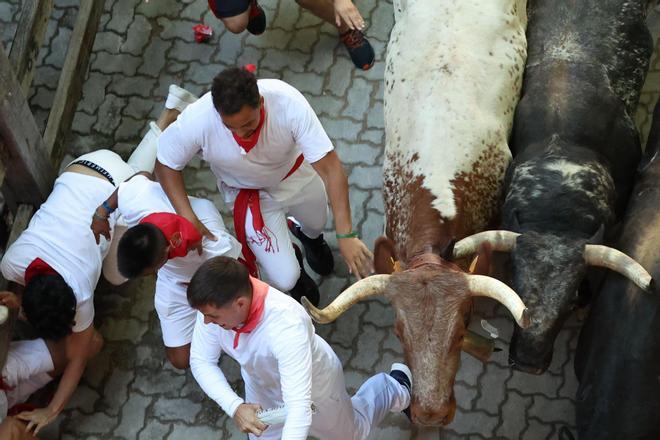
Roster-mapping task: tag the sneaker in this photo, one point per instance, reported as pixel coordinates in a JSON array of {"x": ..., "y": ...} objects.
[
  {"x": 359, "y": 49},
  {"x": 402, "y": 374},
  {"x": 179, "y": 98},
  {"x": 305, "y": 285},
  {"x": 257, "y": 21},
  {"x": 318, "y": 253}
]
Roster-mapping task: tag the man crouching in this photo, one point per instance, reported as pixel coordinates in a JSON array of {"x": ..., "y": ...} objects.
[{"x": 283, "y": 362}]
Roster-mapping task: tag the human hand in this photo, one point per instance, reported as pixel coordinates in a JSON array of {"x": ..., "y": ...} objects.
[
  {"x": 37, "y": 419},
  {"x": 357, "y": 256},
  {"x": 345, "y": 11},
  {"x": 100, "y": 226},
  {"x": 10, "y": 300},
  {"x": 204, "y": 232},
  {"x": 247, "y": 421}
]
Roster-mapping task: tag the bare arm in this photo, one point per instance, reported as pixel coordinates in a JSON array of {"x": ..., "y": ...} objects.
[
  {"x": 358, "y": 257},
  {"x": 172, "y": 182},
  {"x": 100, "y": 224},
  {"x": 79, "y": 348}
]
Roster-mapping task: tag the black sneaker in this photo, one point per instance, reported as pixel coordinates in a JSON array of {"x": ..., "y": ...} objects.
[
  {"x": 257, "y": 21},
  {"x": 305, "y": 286},
  {"x": 359, "y": 48},
  {"x": 318, "y": 253},
  {"x": 401, "y": 373}
]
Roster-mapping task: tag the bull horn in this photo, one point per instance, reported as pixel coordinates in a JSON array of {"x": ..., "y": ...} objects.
[
  {"x": 370, "y": 286},
  {"x": 604, "y": 256},
  {"x": 481, "y": 285},
  {"x": 503, "y": 241}
]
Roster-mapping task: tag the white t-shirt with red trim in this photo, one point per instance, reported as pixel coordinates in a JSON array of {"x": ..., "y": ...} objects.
[
  {"x": 59, "y": 233},
  {"x": 291, "y": 128}
]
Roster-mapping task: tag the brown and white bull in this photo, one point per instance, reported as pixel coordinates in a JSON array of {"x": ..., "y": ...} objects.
[{"x": 452, "y": 80}]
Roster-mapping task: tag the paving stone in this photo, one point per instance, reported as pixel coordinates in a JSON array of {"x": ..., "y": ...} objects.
[
  {"x": 465, "y": 396},
  {"x": 375, "y": 118},
  {"x": 326, "y": 104},
  {"x": 195, "y": 10},
  {"x": 474, "y": 422},
  {"x": 115, "y": 392},
  {"x": 182, "y": 432},
  {"x": 130, "y": 130},
  {"x": 138, "y": 107},
  {"x": 323, "y": 54},
  {"x": 375, "y": 136},
  {"x": 122, "y": 15},
  {"x": 536, "y": 431},
  {"x": 376, "y": 202},
  {"x": 97, "y": 423},
  {"x": 176, "y": 409},
  {"x": 185, "y": 52},
  {"x": 58, "y": 47},
  {"x": 160, "y": 382},
  {"x": 276, "y": 39},
  {"x": 547, "y": 384},
  {"x": 154, "y": 9},
  {"x": 138, "y": 36},
  {"x": 123, "y": 330},
  {"x": 84, "y": 399},
  {"x": 203, "y": 74},
  {"x": 553, "y": 410},
  {"x": 379, "y": 314},
  {"x": 94, "y": 92},
  {"x": 132, "y": 85},
  {"x": 108, "y": 41},
  {"x": 492, "y": 388},
  {"x": 352, "y": 153},
  {"x": 338, "y": 80},
  {"x": 116, "y": 63},
  {"x": 132, "y": 416},
  {"x": 154, "y": 430},
  {"x": 349, "y": 327},
  {"x": 367, "y": 177},
  {"x": 43, "y": 98},
  {"x": 513, "y": 415},
  {"x": 367, "y": 347},
  {"x": 181, "y": 29},
  {"x": 340, "y": 128},
  {"x": 359, "y": 97},
  {"x": 307, "y": 83}
]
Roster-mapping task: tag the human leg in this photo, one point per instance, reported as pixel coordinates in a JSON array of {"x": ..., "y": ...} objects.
[
  {"x": 359, "y": 48},
  {"x": 279, "y": 262},
  {"x": 13, "y": 429},
  {"x": 238, "y": 15},
  {"x": 354, "y": 417},
  {"x": 310, "y": 214},
  {"x": 177, "y": 321},
  {"x": 27, "y": 369}
]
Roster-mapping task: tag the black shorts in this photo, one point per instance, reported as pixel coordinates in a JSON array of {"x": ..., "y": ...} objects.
[{"x": 228, "y": 8}]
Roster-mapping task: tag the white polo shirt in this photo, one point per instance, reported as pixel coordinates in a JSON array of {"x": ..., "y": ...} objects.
[
  {"x": 283, "y": 361},
  {"x": 291, "y": 128},
  {"x": 140, "y": 196},
  {"x": 59, "y": 234}
]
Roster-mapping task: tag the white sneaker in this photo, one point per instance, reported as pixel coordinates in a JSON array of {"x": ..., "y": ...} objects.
[{"x": 179, "y": 98}]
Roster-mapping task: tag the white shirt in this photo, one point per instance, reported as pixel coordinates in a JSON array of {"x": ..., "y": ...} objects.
[
  {"x": 291, "y": 128},
  {"x": 59, "y": 233},
  {"x": 139, "y": 197},
  {"x": 282, "y": 357}
]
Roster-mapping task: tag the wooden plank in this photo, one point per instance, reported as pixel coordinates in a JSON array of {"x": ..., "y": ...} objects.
[
  {"x": 21, "y": 220},
  {"x": 29, "y": 172},
  {"x": 28, "y": 39},
  {"x": 69, "y": 88}
]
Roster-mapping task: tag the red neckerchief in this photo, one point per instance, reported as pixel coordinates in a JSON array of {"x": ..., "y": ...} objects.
[
  {"x": 169, "y": 224},
  {"x": 259, "y": 292},
  {"x": 249, "y": 142},
  {"x": 249, "y": 198},
  {"x": 38, "y": 267}
]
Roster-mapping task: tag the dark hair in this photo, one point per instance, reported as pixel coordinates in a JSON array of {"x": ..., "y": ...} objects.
[
  {"x": 139, "y": 248},
  {"x": 234, "y": 88},
  {"x": 217, "y": 282},
  {"x": 50, "y": 306}
]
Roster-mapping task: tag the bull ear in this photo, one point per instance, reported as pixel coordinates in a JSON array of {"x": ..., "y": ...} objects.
[
  {"x": 481, "y": 262},
  {"x": 384, "y": 255},
  {"x": 448, "y": 252}
]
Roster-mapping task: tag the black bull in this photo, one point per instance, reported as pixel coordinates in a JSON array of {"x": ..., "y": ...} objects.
[
  {"x": 618, "y": 354},
  {"x": 576, "y": 149}
]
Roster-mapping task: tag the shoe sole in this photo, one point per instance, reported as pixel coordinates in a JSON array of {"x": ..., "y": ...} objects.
[{"x": 404, "y": 369}]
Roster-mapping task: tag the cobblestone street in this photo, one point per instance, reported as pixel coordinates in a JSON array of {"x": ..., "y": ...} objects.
[{"x": 129, "y": 391}]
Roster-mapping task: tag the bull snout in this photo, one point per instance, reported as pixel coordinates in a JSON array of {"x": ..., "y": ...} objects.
[
  {"x": 529, "y": 356},
  {"x": 429, "y": 415}
]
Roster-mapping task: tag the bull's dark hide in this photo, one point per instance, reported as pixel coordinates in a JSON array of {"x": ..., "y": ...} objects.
[
  {"x": 618, "y": 354},
  {"x": 576, "y": 149}
]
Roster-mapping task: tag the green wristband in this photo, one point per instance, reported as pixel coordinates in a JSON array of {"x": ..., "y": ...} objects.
[{"x": 349, "y": 235}]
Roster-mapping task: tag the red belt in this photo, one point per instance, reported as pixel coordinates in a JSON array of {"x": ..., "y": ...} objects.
[{"x": 249, "y": 198}]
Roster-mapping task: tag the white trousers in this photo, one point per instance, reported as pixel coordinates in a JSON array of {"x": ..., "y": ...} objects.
[
  {"x": 341, "y": 417},
  {"x": 277, "y": 263},
  {"x": 26, "y": 370}
]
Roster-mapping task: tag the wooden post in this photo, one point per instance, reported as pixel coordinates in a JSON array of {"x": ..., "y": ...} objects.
[
  {"x": 21, "y": 220},
  {"x": 69, "y": 88},
  {"x": 29, "y": 174},
  {"x": 28, "y": 39}
]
